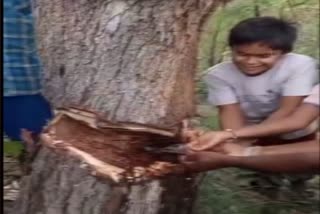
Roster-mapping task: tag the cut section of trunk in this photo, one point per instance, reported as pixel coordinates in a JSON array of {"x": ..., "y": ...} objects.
[
  {"x": 80, "y": 161},
  {"x": 115, "y": 150}
]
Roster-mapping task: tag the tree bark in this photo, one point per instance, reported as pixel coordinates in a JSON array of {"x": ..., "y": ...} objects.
[
  {"x": 134, "y": 62},
  {"x": 130, "y": 60},
  {"x": 85, "y": 168}
]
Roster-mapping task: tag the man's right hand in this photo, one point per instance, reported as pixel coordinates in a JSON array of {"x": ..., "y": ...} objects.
[
  {"x": 209, "y": 140},
  {"x": 189, "y": 134}
]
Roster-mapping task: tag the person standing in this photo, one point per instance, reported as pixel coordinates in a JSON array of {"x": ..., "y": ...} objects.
[{"x": 24, "y": 107}]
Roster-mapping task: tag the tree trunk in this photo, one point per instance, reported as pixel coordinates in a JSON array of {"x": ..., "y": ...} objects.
[
  {"x": 130, "y": 60},
  {"x": 84, "y": 167},
  {"x": 133, "y": 62}
]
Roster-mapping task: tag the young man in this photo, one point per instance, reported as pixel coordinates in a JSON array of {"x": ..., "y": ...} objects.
[
  {"x": 264, "y": 82},
  {"x": 304, "y": 115},
  {"x": 23, "y": 105},
  {"x": 294, "y": 158}
]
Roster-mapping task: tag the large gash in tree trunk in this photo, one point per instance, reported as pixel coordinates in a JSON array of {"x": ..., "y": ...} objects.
[{"x": 129, "y": 66}]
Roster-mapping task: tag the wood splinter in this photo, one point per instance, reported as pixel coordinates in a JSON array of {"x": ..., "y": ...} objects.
[{"x": 102, "y": 168}]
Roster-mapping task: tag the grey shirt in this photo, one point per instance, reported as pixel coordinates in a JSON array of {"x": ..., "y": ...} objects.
[{"x": 259, "y": 96}]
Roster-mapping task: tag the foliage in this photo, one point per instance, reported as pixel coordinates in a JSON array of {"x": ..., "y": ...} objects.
[{"x": 213, "y": 44}]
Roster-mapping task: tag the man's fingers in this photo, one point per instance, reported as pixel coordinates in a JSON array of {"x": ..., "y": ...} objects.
[
  {"x": 196, "y": 146},
  {"x": 205, "y": 142},
  {"x": 192, "y": 144},
  {"x": 189, "y": 162},
  {"x": 201, "y": 146},
  {"x": 190, "y": 166},
  {"x": 189, "y": 157},
  {"x": 210, "y": 145},
  {"x": 185, "y": 124},
  {"x": 182, "y": 158},
  {"x": 190, "y": 135}
]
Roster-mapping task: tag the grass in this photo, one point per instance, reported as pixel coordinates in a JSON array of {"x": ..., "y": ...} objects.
[
  {"x": 211, "y": 122},
  {"x": 12, "y": 148},
  {"x": 227, "y": 191}
]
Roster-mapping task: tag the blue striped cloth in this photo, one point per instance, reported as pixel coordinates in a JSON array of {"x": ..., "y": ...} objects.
[{"x": 22, "y": 70}]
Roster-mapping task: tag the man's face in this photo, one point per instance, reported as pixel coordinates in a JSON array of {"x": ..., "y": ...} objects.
[{"x": 254, "y": 59}]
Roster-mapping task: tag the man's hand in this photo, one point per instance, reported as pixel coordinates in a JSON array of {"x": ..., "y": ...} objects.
[
  {"x": 229, "y": 148},
  {"x": 205, "y": 161},
  {"x": 189, "y": 134},
  {"x": 209, "y": 140},
  {"x": 217, "y": 141}
]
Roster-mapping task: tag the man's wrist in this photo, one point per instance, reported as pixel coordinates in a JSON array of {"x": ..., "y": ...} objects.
[
  {"x": 252, "y": 151},
  {"x": 231, "y": 161},
  {"x": 231, "y": 134}
]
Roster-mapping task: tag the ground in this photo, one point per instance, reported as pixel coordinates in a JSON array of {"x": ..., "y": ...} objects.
[{"x": 11, "y": 180}]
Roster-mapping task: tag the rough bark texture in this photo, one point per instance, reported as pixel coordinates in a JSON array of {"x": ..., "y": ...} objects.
[
  {"x": 82, "y": 168},
  {"x": 132, "y": 61},
  {"x": 60, "y": 186}
]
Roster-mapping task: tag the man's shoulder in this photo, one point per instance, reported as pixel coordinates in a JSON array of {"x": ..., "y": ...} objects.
[
  {"x": 221, "y": 70},
  {"x": 295, "y": 59},
  {"x": 297, "y": 64}
]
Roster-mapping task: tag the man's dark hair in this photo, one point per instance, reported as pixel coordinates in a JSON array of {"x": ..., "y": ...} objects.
[{"x": 276, "y": 33}]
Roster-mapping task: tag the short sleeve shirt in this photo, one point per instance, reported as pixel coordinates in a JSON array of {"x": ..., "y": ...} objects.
[
  {"x": 259, "y": 96},
  {"x": 313, "y": 98}
]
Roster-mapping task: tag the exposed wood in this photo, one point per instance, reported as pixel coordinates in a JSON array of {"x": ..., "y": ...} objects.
[
  {"x": 121, "y": 176},
  {"x": 61, "y": 136}
]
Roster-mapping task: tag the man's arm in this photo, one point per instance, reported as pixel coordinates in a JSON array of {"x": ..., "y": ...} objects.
[
  {"x": 306, "y": 147},
  {"x": 302, "y": 162},
  {"x": 223, "y": 96},
  {"x": 303, "y": 76},
  {"x": 282, "y": 163},
  {"x": 231, "y": 116},
  {"x": 300, "y": 119},
  {"x": 288, "y": 105},
  {"x": 297, "y": 157}
]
